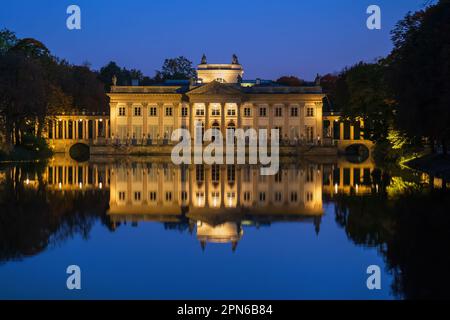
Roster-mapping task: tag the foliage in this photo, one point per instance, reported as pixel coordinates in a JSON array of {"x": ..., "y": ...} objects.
[
  {"x": 290, "y": 81},
  {"x": 179, "y": 68},
  {"x": 360, "y": 93},
  {"x": 419, "y": 72}
]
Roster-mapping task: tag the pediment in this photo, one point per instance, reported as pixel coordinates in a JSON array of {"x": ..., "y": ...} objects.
[{"x": 216, "y": 88}]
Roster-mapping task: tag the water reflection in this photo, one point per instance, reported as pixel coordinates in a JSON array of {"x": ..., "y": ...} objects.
[{"x": 403, "y": 217}]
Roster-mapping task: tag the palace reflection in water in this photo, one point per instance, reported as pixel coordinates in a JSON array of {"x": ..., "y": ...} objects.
[
  {"x": 216, "y": 201},
  {"x": 317, "y": 212}
]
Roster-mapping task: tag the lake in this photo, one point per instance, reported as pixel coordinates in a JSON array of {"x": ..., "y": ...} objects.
[{"x": 142, "y": 228}]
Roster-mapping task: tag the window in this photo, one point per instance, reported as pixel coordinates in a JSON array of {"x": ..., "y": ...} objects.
[
  {"x": 215, "y": 112},
  {"x": 262, "y": 112},
  {"x": 278, "y": 112},
  {"x": 231, "y": 112},
  {"x": 137, "y": 111},
  {"x": 200, "y": 112},
  {"x": 168, "y": 196},
  {"x": 310, "y": 112},
  {"x": 231, "y": 172},
  {"x": 262, "y": 196},
  {"x": 278, "y": 196},
  {"x": 152, "y": 196},
  {"x": 294, "y": 112},
  {"x": 247, "y": 112},
  {"x": 247, "y": 196},
  {"x": 122, "y": 111},
  {"x": 309, "y": 197},
  {"x": 169, "y": 112},
  {"x": 122, "y": 196},
  {"x": 152, "y": 112},
  {"x": 279, "y": 177},
  {"x": 184, "y": 112},
  {"x": 199, "y": 173},
  {"x": 215, "y": 173},
  {"x": 294, "y": 196},
  {"x": 184, "y": 196},
  {"x": 137, "y": 196}
]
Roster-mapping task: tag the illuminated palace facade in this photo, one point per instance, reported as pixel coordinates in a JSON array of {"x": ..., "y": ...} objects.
[{"x": 220, "y": 99}]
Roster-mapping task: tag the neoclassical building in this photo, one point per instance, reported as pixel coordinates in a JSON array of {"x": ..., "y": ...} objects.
[{"x": 218, "y": 98}]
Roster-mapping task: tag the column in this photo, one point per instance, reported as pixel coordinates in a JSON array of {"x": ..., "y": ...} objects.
[
  {"x": 191, "y": 120},
  {"x": 255, "y": 113},
  {"x": 341, "y": 130},
  {"x": 129, "y": 114},
  {"x": 352, "y": 132},
  {"x": 176, "y": 116},
  {"x": 95, "y": 131},
  {"x": 286, "y": 129},
  {"x": 222, "y": 119},
  {"x": 302, "y": 120},
  {"x": 239, "y": 115},
  {"x": 161, "y": 119},
  {"x": 270, "y": 115},
  {"x": 144, "y": 119},
  {"x": 207, "y": 115}
]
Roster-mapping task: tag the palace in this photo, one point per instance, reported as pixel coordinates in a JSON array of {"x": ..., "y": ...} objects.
[
  {"x": 220, "y": 99},
  {"x": 142, "y": 118}
]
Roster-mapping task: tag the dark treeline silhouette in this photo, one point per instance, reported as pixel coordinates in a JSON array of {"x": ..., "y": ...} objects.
[
  {"x": 35, "y": 85},
  {"x": 32, "y": 218},
  {"x": 410, "y": 230}
]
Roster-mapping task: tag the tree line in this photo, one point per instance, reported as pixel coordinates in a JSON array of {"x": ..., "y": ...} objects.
[
  {"x": 404, "y": 98},
  {"x": 35, "y": 85}
]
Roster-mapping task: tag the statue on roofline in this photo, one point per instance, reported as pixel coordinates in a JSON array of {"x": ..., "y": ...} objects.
[
  {"x": 235, "y": 59},
  {"x": 114, "y": 80},
  {"x": 203, "y": 59}
]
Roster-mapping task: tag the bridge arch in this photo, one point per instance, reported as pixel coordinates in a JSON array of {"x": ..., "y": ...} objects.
[{"x": 79, "y": 152}]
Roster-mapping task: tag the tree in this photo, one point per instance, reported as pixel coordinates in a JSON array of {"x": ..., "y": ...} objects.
[
  {"x": 419, "y": 73},
  {"x": 8, "y": 40},
  {"x": 179, "y": 68},
  {"x": 360, "y": 93},
  {"x": 290, "y": 81}
]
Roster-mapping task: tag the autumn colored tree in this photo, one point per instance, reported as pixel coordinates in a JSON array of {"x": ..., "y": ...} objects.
[{"x": 290, "y": 81}]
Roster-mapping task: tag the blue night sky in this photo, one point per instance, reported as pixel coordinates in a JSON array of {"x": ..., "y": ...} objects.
[{"x": 271, "y": 38}]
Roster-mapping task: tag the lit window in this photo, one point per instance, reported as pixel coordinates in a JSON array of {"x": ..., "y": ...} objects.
[
  {"x": 152, "y": 112},
  {"x": 278, "y": 112},
  {"x": 262, "y": 112}
]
